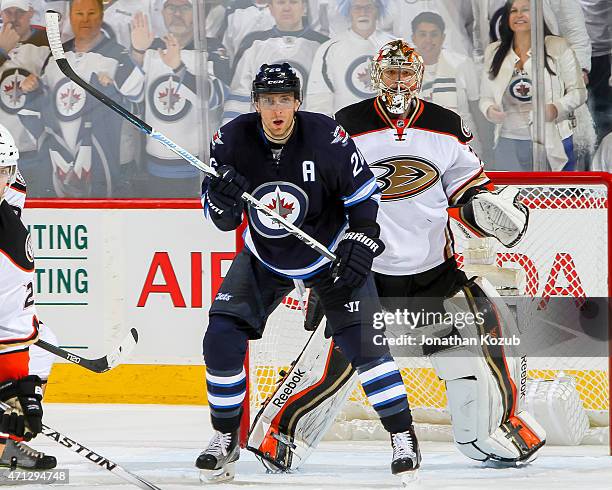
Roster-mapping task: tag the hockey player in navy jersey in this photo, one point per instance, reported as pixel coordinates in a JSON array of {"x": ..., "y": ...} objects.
[{"x": 306, "y": 168}]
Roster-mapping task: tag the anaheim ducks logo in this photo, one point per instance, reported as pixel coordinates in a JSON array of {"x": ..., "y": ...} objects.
[{"x": 403, "y": 177}]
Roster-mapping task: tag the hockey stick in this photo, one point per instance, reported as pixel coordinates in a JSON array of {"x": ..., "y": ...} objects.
[
  {"x": 101, "y": 365},
  {"x": 57, "y": 50},
  {"x": 92, "y": 456}
]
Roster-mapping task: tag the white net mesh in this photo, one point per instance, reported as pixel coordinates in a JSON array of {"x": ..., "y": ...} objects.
[{"x": 564, "y": 253}]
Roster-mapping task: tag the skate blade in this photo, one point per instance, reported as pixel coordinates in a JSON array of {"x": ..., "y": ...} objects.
[
  {"x": 272, "y": 468},
  {"x": 220, "y": 475},
  {"x": 409, "y": 478},
  {"x": 496, "y": 464}
]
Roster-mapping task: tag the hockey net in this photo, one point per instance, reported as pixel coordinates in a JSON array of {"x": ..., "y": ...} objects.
[{"x": 564, "y": 253}]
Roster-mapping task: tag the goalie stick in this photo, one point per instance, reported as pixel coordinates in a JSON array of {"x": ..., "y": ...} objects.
[
  {"x": 57, "y": 50},
  {"x": 101, "y": 365},
  {"x": 92, "y": 456}
]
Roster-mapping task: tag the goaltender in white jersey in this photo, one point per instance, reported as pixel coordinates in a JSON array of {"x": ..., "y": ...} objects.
[{"x": 421, "y": 156}]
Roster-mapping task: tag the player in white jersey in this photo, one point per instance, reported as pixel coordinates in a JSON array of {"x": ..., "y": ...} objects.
[
  {"x": 242, "y": 18},
  {"x": 288, "y": 41},
  {"x": 424, "y": 164},
  {"x": 23, "y": 50},
  {"x": 20, "y": 388},
  {"x": 85, "y": 156},
  {"x": 340, "y": 72},
  {"x": 170, "y": 65}
]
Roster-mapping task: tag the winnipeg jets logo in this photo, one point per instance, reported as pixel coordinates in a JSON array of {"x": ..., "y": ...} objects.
[
  {"x": 521, "y": 89},
  {"x": 167, "y": 97},
  {"x": 69, "y": 100},
  {"x": 11, "y": 95},
  {"x": 357, "y": 77},
  {"x": 340, "y": 136},
  {"x": 280, "y": 206},
  {"x": 12, "y": 91},
  {"x": 285, "y": 199},
  {"x": 403, "y": 177},
  {"x": 363, "y": 75}
]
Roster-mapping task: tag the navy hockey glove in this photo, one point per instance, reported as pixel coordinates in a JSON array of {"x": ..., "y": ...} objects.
[
  {"x": 223, "y": 197},
  {"x": 354, "y": 257},
  {"x": 228, "y": 187},
  {"x": 24, "y": 417}
]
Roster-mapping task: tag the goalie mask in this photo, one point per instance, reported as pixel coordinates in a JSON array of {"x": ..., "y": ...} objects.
[
  {"x": 397, "y": 75},
  {"x": 8, "y": 159}
]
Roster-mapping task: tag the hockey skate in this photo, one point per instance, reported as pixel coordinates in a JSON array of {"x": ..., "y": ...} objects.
[
  {"x": 20, "y": 455},
  {"x": 217, "y": 462},
  {"x": 406, "y": 455}
]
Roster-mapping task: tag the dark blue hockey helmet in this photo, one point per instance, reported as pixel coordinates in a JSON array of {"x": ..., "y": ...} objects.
[{"x": 277, "y": 78}]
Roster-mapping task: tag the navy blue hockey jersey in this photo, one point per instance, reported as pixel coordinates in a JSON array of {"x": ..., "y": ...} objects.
[{"x": 318, "y": 176}]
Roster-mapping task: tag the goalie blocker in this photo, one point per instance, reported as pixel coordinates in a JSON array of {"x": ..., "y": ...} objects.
[{"x": 488, "y": 414}]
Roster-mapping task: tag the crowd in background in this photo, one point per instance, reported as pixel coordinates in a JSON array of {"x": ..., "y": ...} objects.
[{"x": 151, "y": 57}]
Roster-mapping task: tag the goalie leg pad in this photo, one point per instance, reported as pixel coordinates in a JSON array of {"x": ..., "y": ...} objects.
[
  {"x": 297, "y": 415},
  {"x": 488, "y": 421}
]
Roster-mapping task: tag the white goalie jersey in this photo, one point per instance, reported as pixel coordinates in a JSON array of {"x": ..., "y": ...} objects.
[{"x": 422, "y": 168}]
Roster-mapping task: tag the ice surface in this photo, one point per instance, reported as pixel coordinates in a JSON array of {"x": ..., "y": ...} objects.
[{"x": 161, "y": 443}]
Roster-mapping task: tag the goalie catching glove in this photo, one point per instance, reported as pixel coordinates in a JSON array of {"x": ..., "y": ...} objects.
[
  {"x": 23, "y": 418},
  {"x": 498, "y": 214},
  {"x": 355, "y": 254}
]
